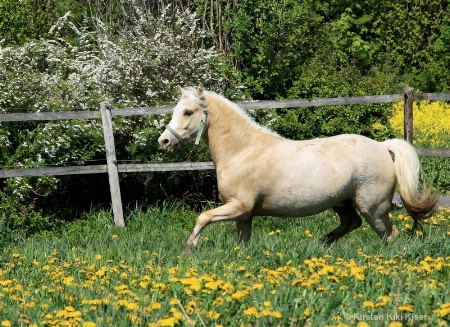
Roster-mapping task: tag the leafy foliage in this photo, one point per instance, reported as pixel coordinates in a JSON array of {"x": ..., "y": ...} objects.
[{"x": 139, "y": 67}]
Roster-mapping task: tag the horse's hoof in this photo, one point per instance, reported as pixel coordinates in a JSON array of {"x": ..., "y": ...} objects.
[
  {"x": 328, "y": 239},
  {"x": 187, "y": 251}
]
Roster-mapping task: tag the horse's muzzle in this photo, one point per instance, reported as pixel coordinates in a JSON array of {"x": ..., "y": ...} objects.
[{"x": 168, "y": 142}]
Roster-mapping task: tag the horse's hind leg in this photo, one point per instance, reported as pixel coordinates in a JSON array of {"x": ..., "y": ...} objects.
[
  {"x": 350, "y": 220},
  {"x": 244, "y": 230},
  {"x": 378, "y": 218}
]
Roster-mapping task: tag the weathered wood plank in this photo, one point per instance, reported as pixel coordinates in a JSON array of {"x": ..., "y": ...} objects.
[
  {"x": 111, "y": 162},
  {"x": 53, "y": 171},
  {"x": 142, "y": 111},
  {"x": 44, "y": 116},
  {"x": 444, "y": 201},
  {"x": 432, "y": 96},
  {"x": 433, "y": 152},
  {"x": 148, "y": 167},
  {"x": 268, "y": 104},
  {"x": 101, "y": 169},
  {"x": 408, "y": 130},
  {"x": 321, "y": 102},
  {"x": 251, "y": 105},
  {"x": 168, "y": 166}
]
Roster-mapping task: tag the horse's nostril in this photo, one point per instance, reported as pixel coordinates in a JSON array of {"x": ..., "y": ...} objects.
[{"x": 165, "y": 142}]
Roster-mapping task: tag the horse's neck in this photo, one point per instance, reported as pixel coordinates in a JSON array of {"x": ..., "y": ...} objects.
[{"x": 229, "y": 131}]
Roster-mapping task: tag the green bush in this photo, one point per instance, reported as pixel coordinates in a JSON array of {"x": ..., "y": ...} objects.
[{"x": 140, "y": 67}]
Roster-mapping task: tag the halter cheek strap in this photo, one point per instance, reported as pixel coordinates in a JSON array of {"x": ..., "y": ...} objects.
[{"x": 199, "y": 129}]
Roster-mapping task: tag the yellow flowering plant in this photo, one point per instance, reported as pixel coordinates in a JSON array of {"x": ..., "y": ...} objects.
[{"x": 431, "y": 123}]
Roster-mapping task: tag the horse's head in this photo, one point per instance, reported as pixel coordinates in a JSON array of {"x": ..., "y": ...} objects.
[{"x": 188, "y": 120}]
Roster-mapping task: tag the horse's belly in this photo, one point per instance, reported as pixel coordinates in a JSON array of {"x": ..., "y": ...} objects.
[{"x": 297, "y": 206}]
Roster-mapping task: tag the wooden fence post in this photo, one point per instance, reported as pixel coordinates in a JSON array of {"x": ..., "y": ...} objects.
[
  {"x": 408, "y": 114},
  {"x": 111, "y": 161}
]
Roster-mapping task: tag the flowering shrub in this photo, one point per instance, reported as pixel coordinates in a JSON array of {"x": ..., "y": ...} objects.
[
  {"x": 140, "y": 67},
  {"x": 431, "y": 130},
  {"x": 431, "y": 123}
]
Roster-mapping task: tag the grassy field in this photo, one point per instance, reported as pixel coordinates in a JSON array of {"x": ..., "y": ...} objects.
[{"x": 93, "y": 274}]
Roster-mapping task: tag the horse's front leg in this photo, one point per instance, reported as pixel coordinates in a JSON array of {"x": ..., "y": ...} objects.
[{"x": 232, "y": 210}]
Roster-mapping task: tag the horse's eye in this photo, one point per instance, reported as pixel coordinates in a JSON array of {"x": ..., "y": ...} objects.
[{"x": 188, "y": 112}]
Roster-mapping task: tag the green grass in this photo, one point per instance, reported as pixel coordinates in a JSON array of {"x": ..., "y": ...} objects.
[
  {"x": 91, "y": 272},
  {"x": 436, "y": 171}
]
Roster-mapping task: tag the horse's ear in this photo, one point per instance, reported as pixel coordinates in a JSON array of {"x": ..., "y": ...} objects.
[
  {"x": 200, "y": 89},
  {"x": 182, "y": 90}
]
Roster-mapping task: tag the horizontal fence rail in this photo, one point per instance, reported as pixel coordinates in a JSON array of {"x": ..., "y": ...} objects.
[
  {"x": 112, "y": 167},
  {"x": 250, "y": 105},
  {"x": 100, "y": 169}
]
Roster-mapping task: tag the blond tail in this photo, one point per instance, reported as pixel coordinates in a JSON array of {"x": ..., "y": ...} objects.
[{"x": 419, "y": 200}]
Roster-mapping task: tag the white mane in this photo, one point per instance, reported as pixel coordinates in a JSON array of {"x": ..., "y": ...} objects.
[{"x": 242, "y": 113}]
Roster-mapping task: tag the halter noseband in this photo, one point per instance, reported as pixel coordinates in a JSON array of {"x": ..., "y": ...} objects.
[{"x": 198, "y": 130}]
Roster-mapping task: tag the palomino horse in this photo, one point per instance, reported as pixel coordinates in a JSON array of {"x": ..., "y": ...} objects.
[{"x": 260, "y": 173}]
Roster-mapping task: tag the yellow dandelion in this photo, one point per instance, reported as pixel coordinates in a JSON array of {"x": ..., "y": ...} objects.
[
  {"x": 67, "y": 280},
  {"x": 6, "y": 323},
  {"x": 218, "y": 301},
  {"x": 155, "y": 305},
  {"x": 167, "y": 322},
  {"x": 406, "y": 308},
  {"x": 239, "y": 295},
  {"x": 333, "y": 278},
  {"x": 357, "y": 272},
  {"x": 382, "y": 301},
  {"x": 395, "y": 324},
  {"x": 176, "y": 314},
  {"x": 214, "y": 285},
  {"x": 368, "y": 304},
  {"x": 443, "y": 311},
  {"x": 214, "y": 315},
  {"x": 227, "y": 287},
  {"x": 276, "y": 314},
  {"x": 252, "y": 312}
]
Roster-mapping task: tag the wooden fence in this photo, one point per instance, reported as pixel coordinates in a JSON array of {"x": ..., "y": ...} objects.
[{"x": 106, "y": 113}]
